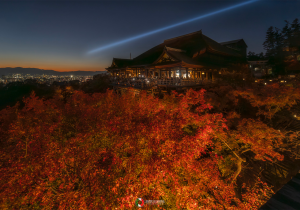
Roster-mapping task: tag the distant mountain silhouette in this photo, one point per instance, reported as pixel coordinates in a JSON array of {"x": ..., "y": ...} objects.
[{"x": 20, "y": 70}]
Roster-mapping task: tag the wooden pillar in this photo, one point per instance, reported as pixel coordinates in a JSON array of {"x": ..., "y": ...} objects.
[
  {"x": 169, "y": 73},
  {"x": 180, "y": 73},
  {"x": 186, "y": 73},
  {"x": 159, "y": 73}
]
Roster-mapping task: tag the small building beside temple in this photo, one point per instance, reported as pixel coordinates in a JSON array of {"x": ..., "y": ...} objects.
[
  {"x": 191, "y": 56},
  {"x": 260, "y": 68}
]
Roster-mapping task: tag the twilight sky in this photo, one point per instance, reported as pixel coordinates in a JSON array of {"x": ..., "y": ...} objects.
[{"x": 57, "y": 35}]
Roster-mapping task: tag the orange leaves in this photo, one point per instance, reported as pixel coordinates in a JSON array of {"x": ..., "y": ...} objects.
[
  {"x": 105, "y": 150},
  {"x": 271, "y": 99},
  {"x": 261, "y": 138}
]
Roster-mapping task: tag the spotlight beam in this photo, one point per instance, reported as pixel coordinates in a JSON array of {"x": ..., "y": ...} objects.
[{"x": 168, "y": 27}]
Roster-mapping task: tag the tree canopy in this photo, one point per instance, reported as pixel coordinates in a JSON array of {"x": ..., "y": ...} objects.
[{"x": 102, "y": 151}]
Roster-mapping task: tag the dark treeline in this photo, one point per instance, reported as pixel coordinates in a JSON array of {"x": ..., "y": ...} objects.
[
  {"x": 14, "y": 92},
  {"x": 280, "y": 45}
]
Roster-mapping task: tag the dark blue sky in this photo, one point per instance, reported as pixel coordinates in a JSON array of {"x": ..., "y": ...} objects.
[{"x": 58, "y": 34}]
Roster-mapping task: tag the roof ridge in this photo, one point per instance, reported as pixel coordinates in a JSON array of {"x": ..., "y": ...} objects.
[
  {"x": 232, "y": 41},
  {"x": 220, "y": 45},
  {"x": 178, "y": 37},
  {"x": 210, "y": 38},
  {"x": 123, "y": 58},
  {"x": 174, "y": 49}
]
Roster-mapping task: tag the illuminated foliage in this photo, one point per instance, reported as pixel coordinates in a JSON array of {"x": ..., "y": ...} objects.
[
  {"x": 102, "y": 151},
  {"x": 271, "y": 98}
]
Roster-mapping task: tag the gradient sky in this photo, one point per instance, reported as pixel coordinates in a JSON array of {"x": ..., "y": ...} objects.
[{"x": 57, "y": 35}]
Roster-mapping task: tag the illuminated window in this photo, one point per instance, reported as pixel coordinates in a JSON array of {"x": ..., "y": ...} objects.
[{"x": 269, "y": 71}]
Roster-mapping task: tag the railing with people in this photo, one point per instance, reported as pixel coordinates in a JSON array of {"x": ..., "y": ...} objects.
[
  {"x": 138, "y": 82},
  {"x": 182, "y": 82}
]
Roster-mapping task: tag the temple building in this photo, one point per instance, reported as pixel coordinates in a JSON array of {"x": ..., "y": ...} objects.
[{"x": 193, "y": 56}]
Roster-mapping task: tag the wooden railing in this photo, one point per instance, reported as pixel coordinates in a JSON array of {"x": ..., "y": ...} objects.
[
  {"x": 182, "y": 82},
  {"x": 149, "y": 82},
  {"x": 136, "y": 82}
]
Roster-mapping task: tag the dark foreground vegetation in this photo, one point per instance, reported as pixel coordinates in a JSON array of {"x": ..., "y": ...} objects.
[
  {"x": 82, "y": 147},
  {"x": 14, "y": 92}
]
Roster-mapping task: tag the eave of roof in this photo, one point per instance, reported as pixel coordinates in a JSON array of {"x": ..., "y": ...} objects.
[
  {"x": 187, "y": 44},
  {"x": 122, "y": 62},
  {"x": 182, "y": 36},
  {"x": 233, "y": 41},
  {"x": 217, "y": 47}
]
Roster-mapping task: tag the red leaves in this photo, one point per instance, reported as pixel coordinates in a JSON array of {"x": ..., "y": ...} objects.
[
  {"x": 105, "y": 150},
  {"x": 270, "y": 99}
]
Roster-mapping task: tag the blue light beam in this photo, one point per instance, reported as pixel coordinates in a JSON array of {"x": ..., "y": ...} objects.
[{"x": 168, "y": 27}]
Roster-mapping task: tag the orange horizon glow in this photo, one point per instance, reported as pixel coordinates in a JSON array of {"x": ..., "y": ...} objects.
[{"x": 58, "y": 69}]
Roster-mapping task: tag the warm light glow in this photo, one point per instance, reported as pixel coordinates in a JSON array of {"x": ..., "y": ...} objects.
[
  {"x": 270, "y": 80},
  {"x": 203, "y": 73},
  {"x": 255, "y": 80},
  {"x": 265, "y": 83},
  {"x": 295, "y": 115}
]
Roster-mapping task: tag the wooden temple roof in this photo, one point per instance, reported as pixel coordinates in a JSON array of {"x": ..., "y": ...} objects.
[
  {"x": 233, "y": 42},
  {"x": 186, "y": 49},
  {"x": 120, "y": 63},
  {"x": 220, "y": 49}
]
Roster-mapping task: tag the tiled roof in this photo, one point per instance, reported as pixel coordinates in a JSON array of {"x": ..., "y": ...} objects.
[
  {"x": 215, "y": 46},
  {"x": 231, "y": 42},
  {"x": 181, "y": 47},
  {"x": 121, "y": 62},
  {"x": 183, "y": 57}
]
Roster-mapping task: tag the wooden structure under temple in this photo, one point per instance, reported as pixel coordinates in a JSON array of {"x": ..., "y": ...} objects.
[{"x": 191, "y": 56}]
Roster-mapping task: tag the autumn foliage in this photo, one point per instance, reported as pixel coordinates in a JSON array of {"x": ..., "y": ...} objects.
[{"x": 103, "y": 151}]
